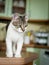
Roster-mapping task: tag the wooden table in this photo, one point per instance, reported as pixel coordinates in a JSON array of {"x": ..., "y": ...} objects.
[{"x": 26, "y": 59}]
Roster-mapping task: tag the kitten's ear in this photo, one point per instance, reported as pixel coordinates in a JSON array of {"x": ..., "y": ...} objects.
[
  {"x": 26, "y": 18},
  {"x": 15, "y": 16}
]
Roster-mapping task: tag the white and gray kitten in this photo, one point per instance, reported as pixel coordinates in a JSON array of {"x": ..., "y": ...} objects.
[{"x": 15, "y": 34}]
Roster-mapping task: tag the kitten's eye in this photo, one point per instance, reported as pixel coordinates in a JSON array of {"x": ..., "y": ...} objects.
[
  {"x": 20, "y": 25},
  {"x": 17, "y": 19},
  {"x": 26, "y": 25}
]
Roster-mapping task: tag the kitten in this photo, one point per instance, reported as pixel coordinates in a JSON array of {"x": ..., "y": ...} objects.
[{"x": 15, "y": 34}]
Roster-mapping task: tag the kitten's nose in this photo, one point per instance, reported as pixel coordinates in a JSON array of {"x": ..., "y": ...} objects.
[{"x": 22, "y": 29}]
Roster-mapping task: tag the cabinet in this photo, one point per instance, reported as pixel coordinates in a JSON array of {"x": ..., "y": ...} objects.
[
  {"x": 9, "y": 7},
  {"x": 16, "y": 6},
  {"x": 3, "y": 7},
  {"x": 37, "y": 9}
]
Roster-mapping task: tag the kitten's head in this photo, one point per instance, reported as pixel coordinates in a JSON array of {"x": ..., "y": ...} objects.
[{"x": 21, "y": 21}]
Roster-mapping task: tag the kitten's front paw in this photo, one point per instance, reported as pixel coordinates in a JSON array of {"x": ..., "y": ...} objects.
[
  {"x": 18, "y": 55},
  {"x": 9, "y": 55}
]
